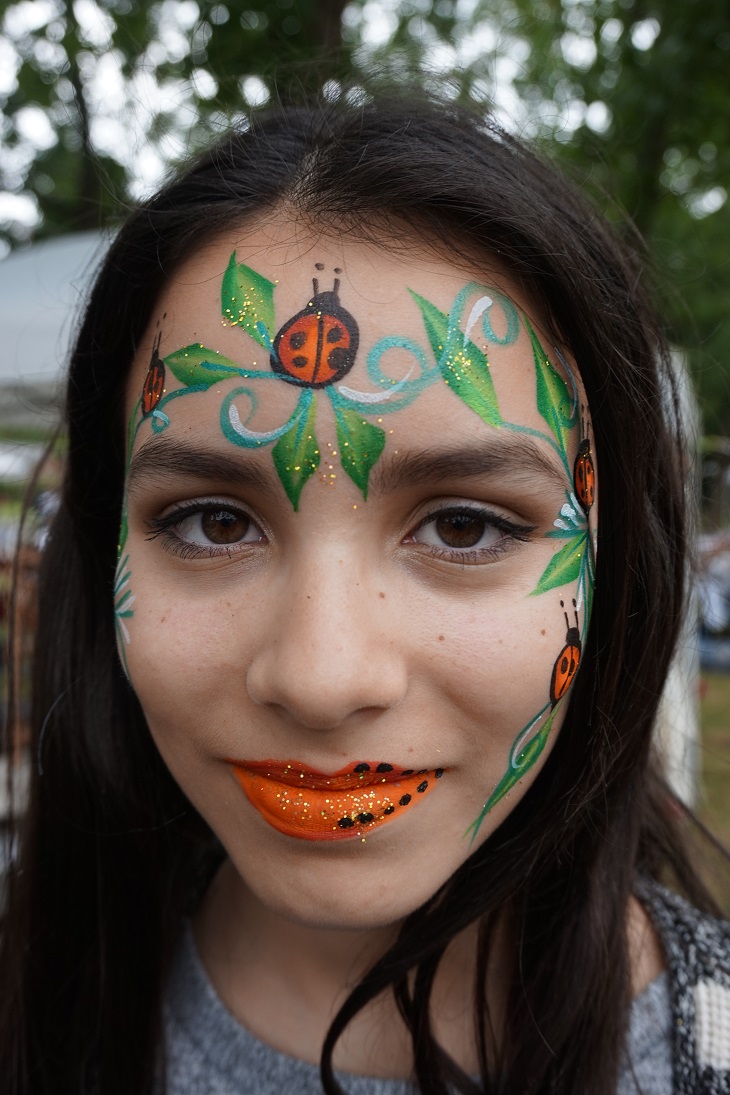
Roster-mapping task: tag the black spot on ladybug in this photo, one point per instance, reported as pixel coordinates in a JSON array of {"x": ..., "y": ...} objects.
[
  {"x": 364, "y": 818},
  {"x": 422, "y": 771},
  {"x": 384, "y": 768},
  {"x": 345, "y": 823},
  {"x": 362, "y": 767},
  {"x": 404, "y": 800},
  {"x": 389, "y": 810},
  {"x": 299, "y": 361},
  {"x": 438, "y": 773},
  {"x": 408, "y": 772},
  {"x": 335, "y": 334},
  {"x": 297, "y": 340},
  {"x": 422, "y": 787}
]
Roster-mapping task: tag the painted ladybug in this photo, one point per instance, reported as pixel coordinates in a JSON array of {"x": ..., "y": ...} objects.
[
  {"x": 154, "y": 382},
  {"x": 568, "y": 659},
  {"x": 317, "y": 346},
  {"x": 584, "y": 473}
]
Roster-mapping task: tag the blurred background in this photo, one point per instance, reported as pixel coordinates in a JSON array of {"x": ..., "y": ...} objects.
[{"x": 101, "y": 98}]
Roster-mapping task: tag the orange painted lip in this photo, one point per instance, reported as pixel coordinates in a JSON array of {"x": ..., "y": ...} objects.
[{"x": 302, "y": 802}]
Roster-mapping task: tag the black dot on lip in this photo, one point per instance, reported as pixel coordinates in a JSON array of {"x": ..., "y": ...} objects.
[
  {"x": 438, "y": 773},
  {"x": 404, "y": 801},
  {"x": 389, "y": 809},
  {"x": 345, "y": 823},
  {"x": 362, "y": 768},
  {"x": 364, "y": 818},
  {"x": 408, "y": 772},
  {"x": 422, "y": 787},
  {"x": 384, "y": 768}
]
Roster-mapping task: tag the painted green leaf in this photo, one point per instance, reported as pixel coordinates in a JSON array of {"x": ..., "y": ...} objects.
[
  {"x": 197, "y": 366},
  {"x": 564, "y": 567},
  {"x": 517, "y": 769},
  {"x": 360, "y": 444},
  {"x": 247, "y": 301},
  {"x": 553, "y": 398},
  {"x": 463, "y": 365},
  {"x": 296, "y": 453},
  {"x": 123, "y": 532}
]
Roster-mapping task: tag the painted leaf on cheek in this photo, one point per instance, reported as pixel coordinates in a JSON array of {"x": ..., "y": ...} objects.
[
  {"x": 553, "y": 398},
  {"x": 463, "y": 365},
  {"x": 197, "y": 366},
  {"x": 360, "y": 444},
  {"x": 564, "y": 567},
  {"x": 247, "y": 301},
  {"x": 296, "y": 453},
  {"x": 519, "y": 766}
]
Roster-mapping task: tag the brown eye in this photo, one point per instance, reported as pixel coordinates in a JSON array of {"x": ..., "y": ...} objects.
[
  {"x": 224, "y": 526},
  {"x": 460, "y": 530}
]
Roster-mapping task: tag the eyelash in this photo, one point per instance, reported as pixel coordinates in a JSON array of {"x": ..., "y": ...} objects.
[
  {"x": 512, "y": 532},
  {"x": 163, "y": 528}
]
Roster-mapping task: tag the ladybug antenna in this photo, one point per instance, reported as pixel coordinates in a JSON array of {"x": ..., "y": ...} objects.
[
  {"x": 156, "y": 343},
  {"x": 567, "y": 621},
  {"x": 315, "y": 285},
  {"x": 336, "y": 286},
  {"x": 575, "y": 613}
]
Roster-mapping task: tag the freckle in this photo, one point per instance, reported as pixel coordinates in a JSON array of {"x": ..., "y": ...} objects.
[
  {"x": 382, "y": 596},
  {"x": 542, "y": 631},
  {"x": 441, "y": 638},
  {"x": 162, "y": 619}
]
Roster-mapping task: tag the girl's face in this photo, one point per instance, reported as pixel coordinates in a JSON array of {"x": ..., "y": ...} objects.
[{"x": 356, "y": 560}]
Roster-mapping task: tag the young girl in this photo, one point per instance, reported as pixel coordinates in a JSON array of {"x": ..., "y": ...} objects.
[{"x": 354, "y": 620}]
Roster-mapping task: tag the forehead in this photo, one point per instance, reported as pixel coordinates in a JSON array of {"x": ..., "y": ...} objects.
[{"x": 400, "y": 298}]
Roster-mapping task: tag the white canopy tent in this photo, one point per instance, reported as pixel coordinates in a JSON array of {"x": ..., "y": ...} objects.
[{"x": 42, "y": 290}]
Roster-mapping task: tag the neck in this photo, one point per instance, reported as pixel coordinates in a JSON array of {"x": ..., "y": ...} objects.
[{"x": 285, "y": 981}]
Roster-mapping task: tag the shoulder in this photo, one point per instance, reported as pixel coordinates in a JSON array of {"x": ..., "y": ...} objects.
[{"x": 697, "y": 951}]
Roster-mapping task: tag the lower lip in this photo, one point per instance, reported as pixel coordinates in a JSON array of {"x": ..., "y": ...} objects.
[{"x": 310, "y": 805}]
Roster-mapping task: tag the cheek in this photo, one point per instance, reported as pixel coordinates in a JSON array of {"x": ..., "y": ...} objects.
[
  {"x": 495, "y": 663},
  {"x": 185, "y": 653}
]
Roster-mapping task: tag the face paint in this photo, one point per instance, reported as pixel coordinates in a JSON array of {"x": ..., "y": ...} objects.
[
  {"x": 315, "y": 349},
  {"x": 332, "y": 360},
  {"x": 310, "y": 805},
  {"x": 584, "y": 474}
]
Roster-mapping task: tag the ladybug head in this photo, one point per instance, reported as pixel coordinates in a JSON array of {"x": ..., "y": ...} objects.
[{"x": 572, "y": 634}]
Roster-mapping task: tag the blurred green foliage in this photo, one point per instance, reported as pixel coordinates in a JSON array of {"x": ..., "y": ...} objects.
[{"x": 632, "y": 96}]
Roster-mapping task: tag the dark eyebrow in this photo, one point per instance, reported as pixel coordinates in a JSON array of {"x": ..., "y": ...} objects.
[
  {"x": 503, "y": 454},
  {"x": 163, "y": 457}
]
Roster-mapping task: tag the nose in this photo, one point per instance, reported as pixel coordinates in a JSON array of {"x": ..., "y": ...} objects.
[{"x": 328, "y": 649}]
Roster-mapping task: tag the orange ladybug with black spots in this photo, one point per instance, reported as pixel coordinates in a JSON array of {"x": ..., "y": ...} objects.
[{"x": 317, "y": 346}]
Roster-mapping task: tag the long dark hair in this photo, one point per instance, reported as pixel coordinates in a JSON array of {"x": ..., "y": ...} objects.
[{"x": 111, "y": 854}]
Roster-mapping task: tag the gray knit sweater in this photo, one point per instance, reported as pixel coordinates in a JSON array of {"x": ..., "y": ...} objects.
[{"x": 678, "y": 1041}]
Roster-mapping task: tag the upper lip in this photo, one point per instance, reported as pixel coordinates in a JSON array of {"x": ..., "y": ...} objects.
[{"x": 354, "y": 774}]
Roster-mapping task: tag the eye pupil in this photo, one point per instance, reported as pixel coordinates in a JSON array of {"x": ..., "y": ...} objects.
[
  {"x": 222, "y": 526},
  {"x": 460, "y": 530}
]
